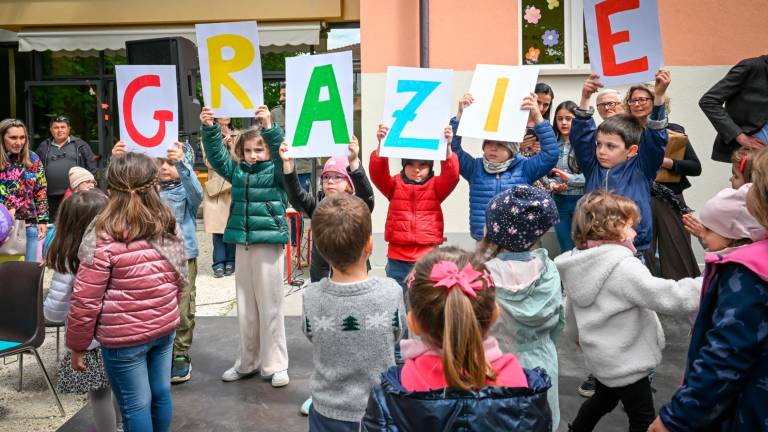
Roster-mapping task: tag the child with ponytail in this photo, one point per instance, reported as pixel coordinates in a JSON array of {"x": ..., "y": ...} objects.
[{"x": 454, "y": 365}]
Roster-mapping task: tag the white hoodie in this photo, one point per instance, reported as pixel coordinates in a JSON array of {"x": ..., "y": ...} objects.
[{"x": 612, "y": 300}]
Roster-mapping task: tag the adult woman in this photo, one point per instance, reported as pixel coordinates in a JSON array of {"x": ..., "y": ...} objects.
[
  {"x": 216, "y": 202},
  {"x": 670, "y": 238},
  {"x": 530, "y": 145},
  {"x": 23, "y": 186},
  {"x": 566, "y": 181}
]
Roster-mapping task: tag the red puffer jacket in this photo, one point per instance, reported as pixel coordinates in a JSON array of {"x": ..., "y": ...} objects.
[
  {"x": 128, "y": 295},
  {"x": 415, "y": 218}
]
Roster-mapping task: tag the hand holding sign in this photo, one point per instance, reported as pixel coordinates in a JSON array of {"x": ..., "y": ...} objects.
[
  {"x": 354, "y": 151},
  {"x": 206, "y": 116},
  {"x": 148, "y": 107},
  {"x": 624, "y": 39},
  {"x": 663, "y": 78},
  {"x": 264, "y": 117}
]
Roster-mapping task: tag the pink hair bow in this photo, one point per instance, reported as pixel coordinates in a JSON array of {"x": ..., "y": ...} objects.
[{"x": 446, "y": 274}]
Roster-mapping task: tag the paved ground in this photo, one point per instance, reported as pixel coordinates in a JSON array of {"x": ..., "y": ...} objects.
[{"x": 205, "y": 403}]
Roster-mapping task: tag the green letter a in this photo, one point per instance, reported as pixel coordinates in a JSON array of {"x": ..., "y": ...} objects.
[{"x": 314, "y": 110}]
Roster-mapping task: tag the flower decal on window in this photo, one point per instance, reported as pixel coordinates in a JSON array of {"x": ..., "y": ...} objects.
[
  {"x": 533, "y": 54},
  {"x": 551, "y": 4},
  {"x": 532, "y": 15},
  {"x": 550, "y": 38}
]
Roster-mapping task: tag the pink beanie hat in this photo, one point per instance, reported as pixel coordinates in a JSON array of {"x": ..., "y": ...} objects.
[
  {"x": 79, "y": 175},
  {"x": 339, "y": 165},
  {"x": 726, "y": 214}
]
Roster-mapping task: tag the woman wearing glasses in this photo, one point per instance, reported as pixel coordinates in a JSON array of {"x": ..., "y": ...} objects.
[
  {"x": 670, "y": 239},
  {"x": 22, "y": 184}
]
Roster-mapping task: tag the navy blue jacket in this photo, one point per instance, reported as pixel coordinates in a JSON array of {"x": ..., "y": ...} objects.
[
  {"x": 631, "y": 179},
  {"x": 484, "y": 186},
  {"x": 726, "y": 382},
  {"x": 392, "y": 408}
]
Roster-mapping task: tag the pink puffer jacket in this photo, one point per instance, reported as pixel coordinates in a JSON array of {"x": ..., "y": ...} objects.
[{"x": 128, "y": 295}]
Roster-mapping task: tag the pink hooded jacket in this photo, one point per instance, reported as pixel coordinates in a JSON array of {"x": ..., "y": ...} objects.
[{"x": 127, "y": 294}]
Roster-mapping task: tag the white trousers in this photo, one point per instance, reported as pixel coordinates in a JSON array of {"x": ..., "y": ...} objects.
[{"x": 259, "y": 284}]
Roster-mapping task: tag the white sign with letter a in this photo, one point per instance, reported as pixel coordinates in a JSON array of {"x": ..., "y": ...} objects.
[
  {"x": 498, "y": 93},
  {"x": 148, "y": 108}
]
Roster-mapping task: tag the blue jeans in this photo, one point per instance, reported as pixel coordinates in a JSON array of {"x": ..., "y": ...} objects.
[
  {"x": 223, "y": 253},
  {"x": 566, "y": 205},
  {"x": 321, "y": 423},
  {"x": 32, "y": 243},
  {"x": 139, "y": 376}
]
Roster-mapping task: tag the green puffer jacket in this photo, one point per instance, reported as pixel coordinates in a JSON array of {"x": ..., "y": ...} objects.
[{"x": 257, "y": 213}]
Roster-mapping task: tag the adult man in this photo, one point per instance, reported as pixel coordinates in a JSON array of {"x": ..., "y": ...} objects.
[
  {"x": 743, "y": 121},
  {"x": 608, "y": 100},
  {"x": 59, "y": 153}
]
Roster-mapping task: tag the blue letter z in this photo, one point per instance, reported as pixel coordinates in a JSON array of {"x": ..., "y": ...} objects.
[{"x": 402, "y": 116}]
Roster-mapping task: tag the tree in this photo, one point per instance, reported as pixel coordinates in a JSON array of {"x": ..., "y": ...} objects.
[
  {"x": 396, "y": 320},
  {"x": 350, "y": 324}
]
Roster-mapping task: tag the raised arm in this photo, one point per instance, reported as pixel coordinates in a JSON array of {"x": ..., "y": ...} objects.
[
  {"x": 217, "y": 153},
  {"x": 466, "y": 161},
  {"x": 192, "y": 188},
  {"x": 540, "y": 165},
  {"x": 446, "y": 182},
  {"x": 297, "y": 196}
]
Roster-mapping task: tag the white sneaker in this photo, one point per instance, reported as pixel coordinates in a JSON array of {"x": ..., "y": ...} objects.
[
  {"x": 280, "y": 379},
  {"x": 233, "y": 375}
]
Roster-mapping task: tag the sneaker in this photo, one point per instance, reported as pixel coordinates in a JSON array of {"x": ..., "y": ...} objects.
[
  {"x": 280, "y": 379},
  {"x": 229, "y": 270},
  {"x": 181, "y": 371},
  {"x": 587, "y": 388},
  {"x": 233, "y": 375},
  {"x": 304, "y": 410},
  {"x": 218, "y": 272}
]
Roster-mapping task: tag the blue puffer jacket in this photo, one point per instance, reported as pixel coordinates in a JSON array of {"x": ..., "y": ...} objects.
[
  {"x": 484, "y": 186},
  {"x": 184, "y": 200},
  {"x": 631, "y": 179},
  {"x": 392, "y": 408}
]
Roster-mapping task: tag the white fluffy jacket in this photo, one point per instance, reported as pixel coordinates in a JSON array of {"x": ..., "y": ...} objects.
[
  {"x": 612, "y": 300},
  {"x": 56, "y": 305}
]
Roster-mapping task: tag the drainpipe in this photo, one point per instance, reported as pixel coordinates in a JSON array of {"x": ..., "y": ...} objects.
[{"x": 424, "y": 33}]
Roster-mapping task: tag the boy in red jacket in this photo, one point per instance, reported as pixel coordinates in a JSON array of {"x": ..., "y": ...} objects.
[{"x": 415, "y": 219}]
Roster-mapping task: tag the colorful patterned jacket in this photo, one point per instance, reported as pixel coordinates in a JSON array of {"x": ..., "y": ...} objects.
[{"x": 25, "y": 189}]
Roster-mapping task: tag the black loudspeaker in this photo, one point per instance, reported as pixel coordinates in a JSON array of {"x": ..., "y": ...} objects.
[{"x": 177, "y": 51}]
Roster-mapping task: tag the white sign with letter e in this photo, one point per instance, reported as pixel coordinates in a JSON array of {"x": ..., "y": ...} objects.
[
  {"x": 318, "y": 106},
  {"x": 417, "y": 108},
  {"x": 624, "y": 39},
  {"x": 230, "y": 67},
  {"x": 498, "y": 92},
  {"x": 148, "y": 108}
]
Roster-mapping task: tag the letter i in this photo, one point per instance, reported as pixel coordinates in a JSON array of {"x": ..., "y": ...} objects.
[{"x": 494, "y": 113}]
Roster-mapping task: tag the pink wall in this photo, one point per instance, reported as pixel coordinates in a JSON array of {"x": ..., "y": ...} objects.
[{"x": 462, "y": 33}]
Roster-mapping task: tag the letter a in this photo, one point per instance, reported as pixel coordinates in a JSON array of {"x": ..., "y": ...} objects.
[
  {"x": 314, "y": 110},
  {"x": 221, "y": 69}
]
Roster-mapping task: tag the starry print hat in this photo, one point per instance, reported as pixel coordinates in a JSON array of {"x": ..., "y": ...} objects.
[{"x": 516, "y": 218}]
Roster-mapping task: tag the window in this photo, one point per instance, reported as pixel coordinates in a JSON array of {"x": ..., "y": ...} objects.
[{"x": 552, "y": 34}]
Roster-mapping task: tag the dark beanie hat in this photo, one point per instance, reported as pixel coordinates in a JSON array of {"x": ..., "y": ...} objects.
[{"x": 516, "y": 218}]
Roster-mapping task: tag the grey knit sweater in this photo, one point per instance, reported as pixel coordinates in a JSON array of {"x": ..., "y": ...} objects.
[{"x": 353, "y": 329}]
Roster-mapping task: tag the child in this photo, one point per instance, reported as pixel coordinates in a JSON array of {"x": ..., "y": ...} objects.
[
  {"x": 79, "y": 179},
  {"x": 75, "y": 215},
  {"x": 527, "y": 283},
  {"x": 455, "y": 377},
  {"x": 127, "y": 290},
  {"x": 352, "y": 320},
  {"x": 500, "y": 168},
  {"x": 340, "y": 174},
  {"x": 181, "y": 191},
  {"x": 612, "y": 305},
  {"x": 415, "y": 217},
  {"x": 622, "y": 157},
  {"x": 727, "y": 367},
  {"x": 741, "y": 167},
  {"x": 258, "y": 227},
  {"x": 566, "y": 181}
]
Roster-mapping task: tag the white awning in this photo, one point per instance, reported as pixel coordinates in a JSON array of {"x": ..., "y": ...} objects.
[
  {"x": 8, "y": 36},
  {"x": 281, "y": 34}
]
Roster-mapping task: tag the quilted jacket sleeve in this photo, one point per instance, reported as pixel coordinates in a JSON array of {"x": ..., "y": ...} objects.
[
  {"x": 87, "y": 297},
  {"x": 56, "y": 303}
]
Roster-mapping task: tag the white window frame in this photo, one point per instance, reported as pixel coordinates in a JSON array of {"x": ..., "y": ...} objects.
[{"x": 573, "y": 16}]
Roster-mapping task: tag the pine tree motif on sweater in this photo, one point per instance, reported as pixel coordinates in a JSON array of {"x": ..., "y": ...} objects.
[
  {"x": 307, "y": 326},
  {"x": 350, "y": 324},
  {"x": 396, "y": 320}
]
